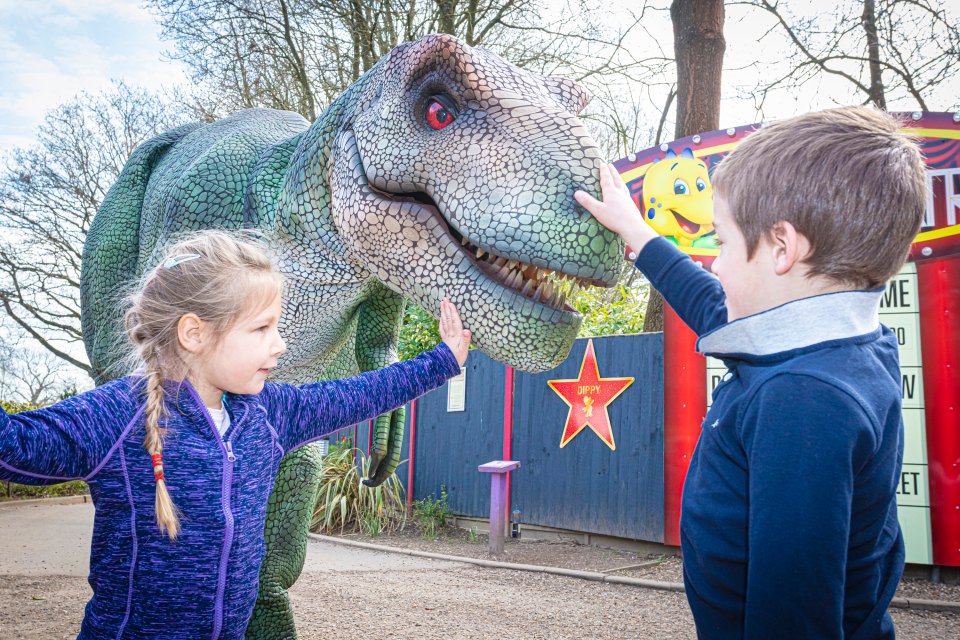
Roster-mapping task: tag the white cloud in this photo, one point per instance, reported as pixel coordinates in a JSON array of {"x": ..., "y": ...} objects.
[{"x": 50, "y": 51}]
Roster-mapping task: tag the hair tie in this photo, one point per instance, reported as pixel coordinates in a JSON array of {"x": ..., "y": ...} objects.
[{"x": 157, "y": 460}]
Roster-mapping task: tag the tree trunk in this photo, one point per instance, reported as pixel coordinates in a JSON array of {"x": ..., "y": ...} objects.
[
  {"x": 447, "y": 10},
  {"x": 869, "y": 22},
  {"x": 698, "y": 47}
]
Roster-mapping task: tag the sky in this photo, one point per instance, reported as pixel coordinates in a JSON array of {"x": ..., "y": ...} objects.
[{"x": 50, "y": 50}]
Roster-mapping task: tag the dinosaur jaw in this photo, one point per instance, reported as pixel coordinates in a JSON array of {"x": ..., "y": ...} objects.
[{"x": 541, "y": 286}]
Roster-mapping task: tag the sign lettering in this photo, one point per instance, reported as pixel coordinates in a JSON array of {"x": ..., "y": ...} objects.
[
  {"x": 908, "y": 484},
  {"x": 897, "y": 295},
  {"x": 909, "y": 386}
]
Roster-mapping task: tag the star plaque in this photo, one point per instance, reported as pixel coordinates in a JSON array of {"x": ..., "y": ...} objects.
[{"x": 588, "y": 398}]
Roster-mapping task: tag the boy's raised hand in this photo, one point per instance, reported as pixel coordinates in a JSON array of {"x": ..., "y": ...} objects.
[
  {"x": 617, "y": 210},
  {"x": 452, "y": 332}
]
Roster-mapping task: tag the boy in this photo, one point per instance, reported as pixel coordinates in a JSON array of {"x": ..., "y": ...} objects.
[{"x": 789, "y": 520}]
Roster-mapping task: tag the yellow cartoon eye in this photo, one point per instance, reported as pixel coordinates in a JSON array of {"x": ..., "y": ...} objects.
[
  {"x": 701, "y": 185},
  {"x": 680, "y": 187}
]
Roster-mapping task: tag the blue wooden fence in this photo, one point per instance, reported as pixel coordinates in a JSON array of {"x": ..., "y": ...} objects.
[{"x": 584, "y": 486}]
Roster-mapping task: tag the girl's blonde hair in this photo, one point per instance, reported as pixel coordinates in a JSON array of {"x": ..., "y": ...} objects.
[{"x": 218, "y": 276}]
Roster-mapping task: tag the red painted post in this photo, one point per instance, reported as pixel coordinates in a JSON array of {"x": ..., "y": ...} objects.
[
  {"x": 410, "y": 458},
  {"x": 684, "y": 405},
  {"x": 508, "y": 431},
  {"x": 938, "y": 284}
]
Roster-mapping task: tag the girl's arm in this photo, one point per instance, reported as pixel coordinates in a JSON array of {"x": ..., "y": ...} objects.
[
  {"x": 67, "y": 441},
  {"x": 308, "y": 412},
  {"x": 305, "y": 413}
]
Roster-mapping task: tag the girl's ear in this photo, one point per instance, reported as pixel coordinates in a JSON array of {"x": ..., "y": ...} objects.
[
  {"x": 190, "y": 332},
  {"x": 789, "y": 247}
]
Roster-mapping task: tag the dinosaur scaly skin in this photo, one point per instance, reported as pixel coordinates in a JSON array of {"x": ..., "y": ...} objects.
[{"x": 371, "y": 204}]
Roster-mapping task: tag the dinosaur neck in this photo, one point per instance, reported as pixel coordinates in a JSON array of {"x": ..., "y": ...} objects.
[{"x": 304, "y": 203}]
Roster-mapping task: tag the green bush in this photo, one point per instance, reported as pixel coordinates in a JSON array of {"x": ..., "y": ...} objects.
[
  {"x": 344, "y": 503},
  {"x": 14, "y": 491},
  {"x": 614, "y": 311},
  {"x": 432, "y": 514},
  {"x": 419, "y": 332},
  {"x": 15, "y": 407}
]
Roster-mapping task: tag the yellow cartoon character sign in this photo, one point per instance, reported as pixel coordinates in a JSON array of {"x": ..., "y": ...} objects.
[{"x": 678, "y": 199}]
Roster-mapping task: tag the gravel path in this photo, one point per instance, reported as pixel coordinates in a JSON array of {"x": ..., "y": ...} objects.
[
  {"x": 428, "y": 603},
  {"x": 350, "y": 593}
]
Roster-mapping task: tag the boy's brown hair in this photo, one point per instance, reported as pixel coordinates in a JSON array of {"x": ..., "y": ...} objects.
[{"x": 846, "y": 178}]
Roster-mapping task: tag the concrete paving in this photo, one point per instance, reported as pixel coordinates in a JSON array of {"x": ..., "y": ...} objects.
[{"x": 54, "y": 539}]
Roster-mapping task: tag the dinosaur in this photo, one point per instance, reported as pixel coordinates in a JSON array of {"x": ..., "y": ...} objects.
[{"x": 444, "y": 170}]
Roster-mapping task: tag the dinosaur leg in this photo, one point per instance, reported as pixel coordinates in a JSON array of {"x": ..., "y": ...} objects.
[
  {"x": 388, "y": 437},
  {"x": 289, "y": 512}
]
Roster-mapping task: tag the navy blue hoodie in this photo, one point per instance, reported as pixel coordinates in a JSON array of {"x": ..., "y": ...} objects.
[
  {"x": 204, "y": 584},
  {"x": 789, "y": 519}
]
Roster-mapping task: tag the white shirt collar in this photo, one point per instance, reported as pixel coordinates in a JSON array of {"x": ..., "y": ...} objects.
[{"x": 797, "y": 324}]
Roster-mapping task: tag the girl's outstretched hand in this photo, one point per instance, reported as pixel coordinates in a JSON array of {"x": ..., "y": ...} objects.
[
  {"x": 617, "y": 210},
  {"x": 452, "y": 332}
]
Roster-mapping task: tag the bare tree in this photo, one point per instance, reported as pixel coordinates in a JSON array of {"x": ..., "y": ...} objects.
[
  {"x": 48, "y": 195},
  {"x": 32, "y": 376},
  {"x": 885, "y": 51},
  {"x": 301, "y": 55}
]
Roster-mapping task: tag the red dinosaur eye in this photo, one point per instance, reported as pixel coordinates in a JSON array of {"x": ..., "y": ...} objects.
[{"x": 439, "y": 113}]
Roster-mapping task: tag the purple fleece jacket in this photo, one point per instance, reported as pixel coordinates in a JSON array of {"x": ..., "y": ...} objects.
[{"x": 204, "y": 584}]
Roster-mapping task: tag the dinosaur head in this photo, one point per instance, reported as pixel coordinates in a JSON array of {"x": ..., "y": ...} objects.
[{"x": 455, "y": 177}]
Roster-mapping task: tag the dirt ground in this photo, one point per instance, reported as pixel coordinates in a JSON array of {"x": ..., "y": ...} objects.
[
  {"x": 440, "y": 600},
  {"x": 568, "y": 555}
]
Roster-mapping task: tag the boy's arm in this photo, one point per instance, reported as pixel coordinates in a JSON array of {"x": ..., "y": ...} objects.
[
  {"x": 805, "y": 441},
  {"x": 67, "y": 441},
  {"x": 695, "y": 295},
  {"x": 307, "y": 412}
]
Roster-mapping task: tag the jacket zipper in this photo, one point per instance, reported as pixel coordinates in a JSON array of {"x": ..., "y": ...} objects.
[
  {"x": 227, "y": 543},
  {"x": 228, "y": 540},
  {"x": 227, "y": 511}
]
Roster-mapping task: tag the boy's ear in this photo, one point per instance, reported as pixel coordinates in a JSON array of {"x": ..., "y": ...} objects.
[
  {"x": 788, "y": 248},
  {"x": 190, "y": 332}
]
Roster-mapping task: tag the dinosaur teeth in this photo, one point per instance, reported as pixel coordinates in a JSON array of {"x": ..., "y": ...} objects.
[
  {"x": 480, "y": 253},
  {"x": 527, "y": 288},
  {"x": 503, "y": 273},
  {"x": 561, "y": 299},
  {"x": 516, "y": 279}
]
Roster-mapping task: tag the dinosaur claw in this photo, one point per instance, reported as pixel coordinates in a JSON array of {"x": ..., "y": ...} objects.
[
  {"x": 376, "y": 479},
  {"x": 375, "y": 460}
]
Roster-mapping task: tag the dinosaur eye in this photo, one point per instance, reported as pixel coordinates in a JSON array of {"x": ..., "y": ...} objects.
[
  {"x": 680, "y": 187},
  {"x": 701, "y": 185},
  {"x": 440, "y": 112}
]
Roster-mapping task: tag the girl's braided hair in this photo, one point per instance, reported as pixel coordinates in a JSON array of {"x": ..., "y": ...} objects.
[{"x": 217, "y": 275}]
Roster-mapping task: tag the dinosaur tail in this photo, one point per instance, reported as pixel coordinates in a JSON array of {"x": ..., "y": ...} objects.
[{"x": 110, "y": 254}]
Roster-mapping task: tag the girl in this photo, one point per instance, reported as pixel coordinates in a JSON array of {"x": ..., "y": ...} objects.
[{"x": 181, "y": 456}]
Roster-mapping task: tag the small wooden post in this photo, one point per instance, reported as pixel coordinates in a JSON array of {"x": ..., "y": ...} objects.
[{"x": 498, "y": 470}]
